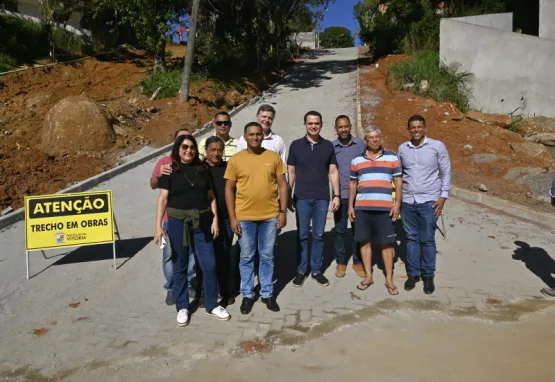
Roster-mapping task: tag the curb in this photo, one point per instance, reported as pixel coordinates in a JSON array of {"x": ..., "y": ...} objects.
[
  {"x": 506, "y": 206},
  {"x": 17, "y": 215}
]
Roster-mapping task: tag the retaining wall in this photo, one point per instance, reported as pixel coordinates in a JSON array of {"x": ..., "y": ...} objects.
[{"x": 509, "y": 70}]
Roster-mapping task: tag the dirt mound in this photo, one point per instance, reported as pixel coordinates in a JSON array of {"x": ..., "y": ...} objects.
[
  {"x": 76, "y": 125},
  {"x": 468, "y": 141}
]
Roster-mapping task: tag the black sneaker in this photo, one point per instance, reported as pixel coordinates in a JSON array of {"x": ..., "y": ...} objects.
[
  {"x": 411, "y": 283},
  {"x": 429, "y": 286},
  {"x": 321, "y": 279},
  {"x": 170, "y": 298},
  {"x": 299, "y": 280},
  {"x": 246, "y": 305},
  {"x": 271, "y": 303}
]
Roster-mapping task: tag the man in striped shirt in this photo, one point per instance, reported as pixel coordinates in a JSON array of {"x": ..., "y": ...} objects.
[{"x": 371, "y": 204}]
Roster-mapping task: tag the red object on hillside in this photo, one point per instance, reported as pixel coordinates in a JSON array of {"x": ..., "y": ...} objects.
[{"x": 180, "y": 30}]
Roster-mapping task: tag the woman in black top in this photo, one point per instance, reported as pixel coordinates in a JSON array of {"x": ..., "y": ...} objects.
[
  {"x": 187, "y": 195},
  {"x": 227, "y": 261}
]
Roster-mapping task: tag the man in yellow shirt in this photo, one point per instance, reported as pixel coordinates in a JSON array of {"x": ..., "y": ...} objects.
[
  {"x": 222, "y": 126},
  {"x": 253, "y": 177}
]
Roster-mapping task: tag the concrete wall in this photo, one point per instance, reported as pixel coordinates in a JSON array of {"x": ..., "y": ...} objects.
[
  {"x": 547, "y": 19},
  {"x": 502, "y": 21},
  {"x": 509, "y": 70},
  {"x": 31, "y": 9},
  {"x": 307, "y": 39}
]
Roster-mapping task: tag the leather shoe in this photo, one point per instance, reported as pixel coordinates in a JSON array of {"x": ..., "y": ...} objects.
[
  {"x": 246, "y": 305},
  {"x": 429, "y": 286},
  {"x": 271, "y": 303},
  {"x": 411, "y": 283}
]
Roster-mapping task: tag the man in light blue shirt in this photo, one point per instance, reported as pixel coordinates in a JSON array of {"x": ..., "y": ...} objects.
[
  {"x": 426, "y": 184},
  {"x": 347, "y": 147}
]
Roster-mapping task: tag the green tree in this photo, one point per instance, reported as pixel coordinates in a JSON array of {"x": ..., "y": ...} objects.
[
  {"x": 151, "y": 21},
  {"x": 336, "y": 37}
]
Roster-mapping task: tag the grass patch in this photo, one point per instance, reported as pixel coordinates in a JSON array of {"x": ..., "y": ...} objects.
[
  {"x": 444, "y": 83},
  {"x": 170, "y": 82}
]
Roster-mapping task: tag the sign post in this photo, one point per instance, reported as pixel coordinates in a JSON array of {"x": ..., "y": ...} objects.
[{"x": 69, "y": 220}]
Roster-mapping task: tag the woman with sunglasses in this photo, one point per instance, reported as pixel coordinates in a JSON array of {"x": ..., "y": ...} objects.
[{"x": 188, "y": 197}]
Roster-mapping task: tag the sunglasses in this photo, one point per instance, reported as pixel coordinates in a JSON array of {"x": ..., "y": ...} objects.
[
  {"x": 187, "y": 147},
  {"x": 223, "y": 123}
]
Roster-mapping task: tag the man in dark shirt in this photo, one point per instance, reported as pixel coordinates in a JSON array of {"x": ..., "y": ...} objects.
[
  {"x": 311, "y": 166},
  {"x": 347, "y": 147},
  {"x": 227, "y": 262}
]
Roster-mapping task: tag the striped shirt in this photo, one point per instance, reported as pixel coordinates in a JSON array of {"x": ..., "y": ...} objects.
[
  {"x": 375, "y": 176},
  {"x": 229, "y": 150}
]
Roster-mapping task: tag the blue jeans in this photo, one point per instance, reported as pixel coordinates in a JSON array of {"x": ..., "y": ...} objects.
[
  {"x": 315, "y": 210},
  {"x": 262, "y": 235},
  {"x": 201, "y": 241},
  {"x": 341, "y": 219},
  {"x": 167, "y": 266},
  {"x": 419, "y": 224}
]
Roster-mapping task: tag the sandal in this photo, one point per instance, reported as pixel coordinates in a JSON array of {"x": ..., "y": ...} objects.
[
  {"x": 392, "y": 290},
  {"x": 363, "y": 286}
]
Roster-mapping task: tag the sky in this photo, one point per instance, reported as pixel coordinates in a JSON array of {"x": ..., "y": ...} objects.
[{"x": 341, "y": 14}]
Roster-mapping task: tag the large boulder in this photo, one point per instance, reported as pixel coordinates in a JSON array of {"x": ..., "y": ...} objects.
[
  {"x": 76, "y": 125},
  {"x": 500, "y": 120},
  {"x": 533, "y": 150},
  {"x": 536, "y": 125}
]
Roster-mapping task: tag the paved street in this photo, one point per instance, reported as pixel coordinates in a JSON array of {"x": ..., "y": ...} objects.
[{"x": 80, "y": 319}]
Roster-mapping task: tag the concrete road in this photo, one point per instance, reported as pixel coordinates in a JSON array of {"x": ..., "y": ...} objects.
[{"x": 79, "y": 319}]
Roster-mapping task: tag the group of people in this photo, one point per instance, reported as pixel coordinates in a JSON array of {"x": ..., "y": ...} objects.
[{"x": 224, "y": 186}]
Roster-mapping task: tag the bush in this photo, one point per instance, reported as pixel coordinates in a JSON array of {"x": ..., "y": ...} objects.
[
  {"x": 22, "y": 40},
  {"x": 6, "y": 62},
  {"x": 445, "y": 84},
  {"x": 170, "y": 82}
]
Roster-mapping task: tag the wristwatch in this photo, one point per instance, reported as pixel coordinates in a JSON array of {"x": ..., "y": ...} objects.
[
  {"x": 283, "y": 212},
  {"x": 336, "y": 196}
]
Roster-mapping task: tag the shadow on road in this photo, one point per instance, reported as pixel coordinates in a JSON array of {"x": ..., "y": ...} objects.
[
  {"x": 125, "y": 249},
  {"x": 537, "y": 260}
]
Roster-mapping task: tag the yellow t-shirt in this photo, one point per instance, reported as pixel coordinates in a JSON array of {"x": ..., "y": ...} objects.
[{"x": 256, "y": 175}]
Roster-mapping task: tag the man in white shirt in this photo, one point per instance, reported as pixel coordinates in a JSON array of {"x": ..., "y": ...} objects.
[{"x": 265, "y": 116}]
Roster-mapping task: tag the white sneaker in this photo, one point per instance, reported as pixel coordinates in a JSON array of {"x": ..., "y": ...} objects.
[
  {"x": 220, "y": 313},
  {"x": 183, "y": 317}
]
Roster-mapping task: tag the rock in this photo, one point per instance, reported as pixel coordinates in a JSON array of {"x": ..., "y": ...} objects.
[
  {"x": 468, "y": 147},
  {"x": 446, "y": 113},
  {"x": 121, "y": 119},
  {"x": 424, "y": 85},
  {"x": 76, "y": 125},
  {"x": 546, "y": 139},
  {"x": 233, "y": 99},
  {"x": 119, "y": 130},
  {"x": 533, "y": 150},
  {"x": 486, "y": 158},
  {"x": 500, "y": 120},
  {"x": 153, "y": 109},
  {"x": 529, "y": 195},
  {"x": 444, "y": 122},
  {"x": 408, "y": 86},
  {"x": 516, "y": 172},
  {"x": 536, "y": 125},
  {"x": 482, "y": 187}
]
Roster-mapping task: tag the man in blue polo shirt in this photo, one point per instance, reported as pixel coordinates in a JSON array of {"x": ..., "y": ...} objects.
[
  {"x": 347, "y": 147},
  {"x": 312, "y": 164}
]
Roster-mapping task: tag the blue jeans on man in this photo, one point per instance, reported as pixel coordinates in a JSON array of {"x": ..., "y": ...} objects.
[
  {"x": 259, "y": 235},
  {"x": 419, "y": 224},
  {"x": 167, "y": 266},
  {"x": 316, "y": 211},
  {"x": 342, "y": 250}
]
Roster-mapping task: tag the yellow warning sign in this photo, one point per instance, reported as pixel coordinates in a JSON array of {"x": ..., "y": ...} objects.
[{"x": 68, "y": 220}]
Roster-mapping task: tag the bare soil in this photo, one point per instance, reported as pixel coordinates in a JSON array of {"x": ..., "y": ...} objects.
[
  {"x": 396, "y": 107},
  {"x": 114, "y": 83}
]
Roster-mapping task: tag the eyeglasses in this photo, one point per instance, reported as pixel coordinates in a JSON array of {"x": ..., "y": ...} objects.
[
  {"x": 223, "y": 123},
  {"x": 187, "y": 147}
]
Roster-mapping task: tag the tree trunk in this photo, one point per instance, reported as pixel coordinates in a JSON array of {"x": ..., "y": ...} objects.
[
  {"x": 188, "y": 66},
  {"x": 51, "y": 43}
]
